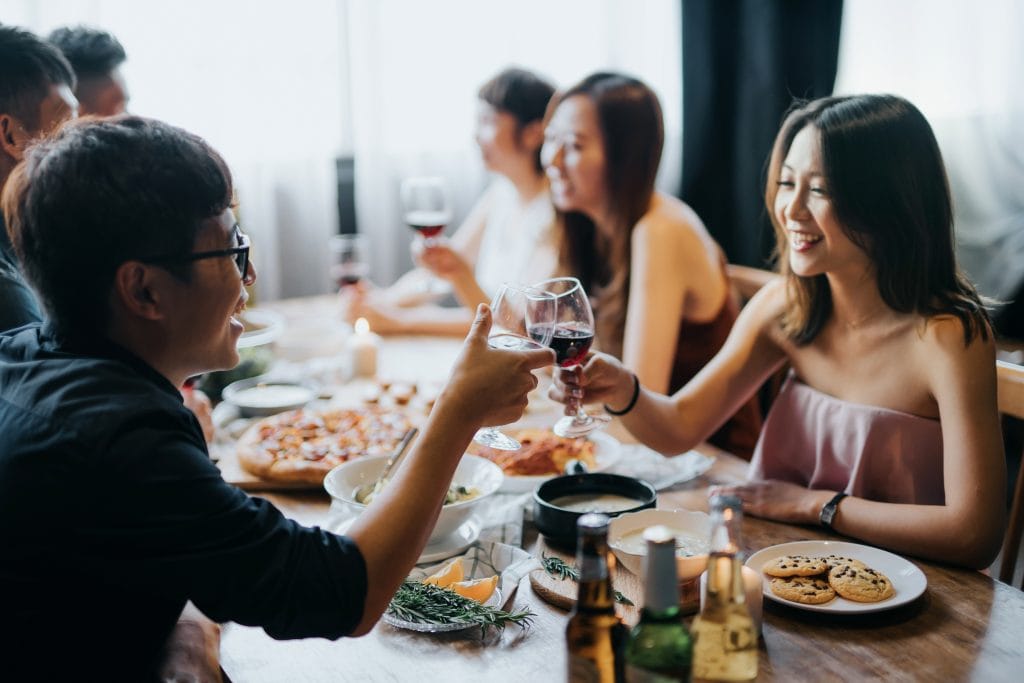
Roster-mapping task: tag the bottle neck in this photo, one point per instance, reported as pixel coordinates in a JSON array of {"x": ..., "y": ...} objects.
[
  {"x": 595, "y": 585},
  {"x": 661, "y": 584},
  {"x": 724, "y": 575}
]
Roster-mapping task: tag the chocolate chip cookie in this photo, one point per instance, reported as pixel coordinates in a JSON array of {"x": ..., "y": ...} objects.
[
  {"x": 810, "y": 590},
  {"x": 795, "y": 565}
]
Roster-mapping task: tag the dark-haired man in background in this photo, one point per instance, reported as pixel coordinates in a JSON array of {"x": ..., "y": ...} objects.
[
  {"x": 36, "y": 84},
  {"x": 96, "y": 56}
]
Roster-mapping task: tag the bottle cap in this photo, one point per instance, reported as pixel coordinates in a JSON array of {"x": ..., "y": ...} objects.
[{"x": 592, "y": 523}]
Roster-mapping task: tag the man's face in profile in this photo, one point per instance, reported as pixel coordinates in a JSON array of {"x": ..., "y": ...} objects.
[{"x": 103, "y": 96}]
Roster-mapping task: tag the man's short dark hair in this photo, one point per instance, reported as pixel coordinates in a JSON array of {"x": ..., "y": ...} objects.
[
  {"x": 91, "y": 52},
  {"x": 29, "y": 66},
  {"x": 103, "y": 192}
]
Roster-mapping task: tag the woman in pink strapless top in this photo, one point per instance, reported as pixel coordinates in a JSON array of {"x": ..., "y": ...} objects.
[{"x": 887, "y": 428}]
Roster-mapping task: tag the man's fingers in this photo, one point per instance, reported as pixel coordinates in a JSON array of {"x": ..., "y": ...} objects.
[{"x": 481, "y": 326}]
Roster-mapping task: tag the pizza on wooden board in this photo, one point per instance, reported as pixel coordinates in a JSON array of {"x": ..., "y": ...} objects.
[{"x": 304, "y": 445}]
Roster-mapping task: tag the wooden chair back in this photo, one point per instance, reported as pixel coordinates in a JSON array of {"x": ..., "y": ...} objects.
[{"x": 1010, "y": 378}]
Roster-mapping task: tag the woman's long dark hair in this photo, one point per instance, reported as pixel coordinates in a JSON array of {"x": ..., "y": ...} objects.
[
  {"x": 890, "y": 194},
  {"x": 521, "y": 93},
  {"x": 629, "y": 115}
]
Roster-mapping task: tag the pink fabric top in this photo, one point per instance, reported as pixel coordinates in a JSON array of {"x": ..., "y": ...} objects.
[{"x": 821, "y": 442}]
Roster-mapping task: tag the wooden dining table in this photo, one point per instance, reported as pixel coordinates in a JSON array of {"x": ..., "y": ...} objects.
[{"x": 965, "y": 627}]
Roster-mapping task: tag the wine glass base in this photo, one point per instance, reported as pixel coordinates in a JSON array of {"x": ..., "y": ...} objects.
[
  {"x": 575, "y": 427},
  {"x": 494, "y": 439}
]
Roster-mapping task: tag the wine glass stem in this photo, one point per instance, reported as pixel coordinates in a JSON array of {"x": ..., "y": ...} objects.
[{"x": 575, "y": 405}]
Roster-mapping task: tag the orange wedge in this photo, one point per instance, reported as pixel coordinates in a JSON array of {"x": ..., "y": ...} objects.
[
  {"x": 449, "y": 574},
  {"x": 479, "y": 590}
]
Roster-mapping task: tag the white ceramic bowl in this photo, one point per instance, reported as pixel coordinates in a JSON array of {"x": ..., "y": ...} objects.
[
  {"x": 257, "y": 397},
  {"x": 695, "y": 523},
  {"x": 344, "y": 480}
]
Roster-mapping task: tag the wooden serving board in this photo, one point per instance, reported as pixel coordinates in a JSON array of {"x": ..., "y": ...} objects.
[{"x": 562, "y": 593}]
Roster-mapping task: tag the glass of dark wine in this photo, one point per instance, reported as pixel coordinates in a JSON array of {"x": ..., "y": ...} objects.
[
  {"x": 426, "y": 206},
  {"x": 571, "y": 336},
  {"x": 348, "y": 260},
  {"x": 522, "y": 319}
]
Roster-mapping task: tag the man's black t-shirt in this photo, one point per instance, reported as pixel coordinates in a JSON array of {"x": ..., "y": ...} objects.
[{"x": 112, "y": 516}]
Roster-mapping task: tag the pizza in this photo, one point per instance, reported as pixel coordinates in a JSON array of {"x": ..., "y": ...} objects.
[
  {"x": 304, "y": 445},
  {"x": 542, "y": 453}
]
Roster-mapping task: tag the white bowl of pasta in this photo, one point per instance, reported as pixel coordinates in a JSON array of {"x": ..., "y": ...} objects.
[{"x": 475, "y": 479}]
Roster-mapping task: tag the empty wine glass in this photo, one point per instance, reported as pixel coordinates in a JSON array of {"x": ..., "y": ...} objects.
[
  {"x": 572, "y": 335},
  {"x": 522, "y": 319}
]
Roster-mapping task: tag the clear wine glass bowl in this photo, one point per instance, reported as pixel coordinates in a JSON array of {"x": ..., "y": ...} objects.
[
  {"x": 522, "y": 319},
  {"x": 571, "y": 337}
]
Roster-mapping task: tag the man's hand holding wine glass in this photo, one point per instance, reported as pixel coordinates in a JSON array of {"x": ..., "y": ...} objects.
[{"x": 490, "y": 385}]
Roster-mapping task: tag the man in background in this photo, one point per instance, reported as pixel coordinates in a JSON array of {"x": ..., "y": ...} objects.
[
  {"x": 36, "y": 84},
  {"x": 96, "y": 56}
]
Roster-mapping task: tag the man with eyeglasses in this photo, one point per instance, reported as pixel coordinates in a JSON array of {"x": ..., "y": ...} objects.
[{"x": 111, "y": 514}]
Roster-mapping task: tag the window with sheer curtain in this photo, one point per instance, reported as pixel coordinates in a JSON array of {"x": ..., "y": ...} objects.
[
  {"x": 960, "y": 62},
  {"x": 283, "y": 89}
]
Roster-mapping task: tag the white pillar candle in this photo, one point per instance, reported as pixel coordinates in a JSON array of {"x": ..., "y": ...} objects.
[
  {"x": 752, "y": 591},
  {"x": 362, "y": 347}
]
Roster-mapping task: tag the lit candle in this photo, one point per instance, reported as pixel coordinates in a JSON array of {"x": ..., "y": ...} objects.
[
  {"x": 752, "y": 590},
  {"x": 362, "y": 347}
]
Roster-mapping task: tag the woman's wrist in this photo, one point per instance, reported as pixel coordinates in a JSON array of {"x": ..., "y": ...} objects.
[{"x": 626, "y": 398}]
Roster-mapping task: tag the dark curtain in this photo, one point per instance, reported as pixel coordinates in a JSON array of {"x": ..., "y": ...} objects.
[{"x": 743, "y": 63}]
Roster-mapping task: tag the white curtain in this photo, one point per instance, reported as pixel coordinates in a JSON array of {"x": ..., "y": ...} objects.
[
  {"x": 282, "y": 89},
  {"x": 416, "y": 68},
  {"x": 262, "y": 82},
  {"x": 960, "y": 62}
]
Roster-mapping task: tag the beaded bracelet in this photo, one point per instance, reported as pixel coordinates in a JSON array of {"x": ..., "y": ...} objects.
[{"x": 632, "y": 401}]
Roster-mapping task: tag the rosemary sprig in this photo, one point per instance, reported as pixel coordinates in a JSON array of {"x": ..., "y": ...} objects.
[
  {"x": 562, "y": 570},
  {"x": 426, "y": 603}
]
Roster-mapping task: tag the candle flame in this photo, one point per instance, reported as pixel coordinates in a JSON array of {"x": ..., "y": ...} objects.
[{"x": 362, "y": 326}]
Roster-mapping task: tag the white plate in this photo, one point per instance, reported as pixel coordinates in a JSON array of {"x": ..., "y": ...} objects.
[
  {"x": 449, "y": 546},
  {"x": 606, "y": 454},
  {"x": 908, "y": 581}
]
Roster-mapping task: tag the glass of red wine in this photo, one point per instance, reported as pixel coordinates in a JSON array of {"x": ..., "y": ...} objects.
[
  {"x": 571, "y": 336},
  {"x": 348, "y": 260},
  {"x": 522, "y": 319},
  {"x": 426, "y": 206}
]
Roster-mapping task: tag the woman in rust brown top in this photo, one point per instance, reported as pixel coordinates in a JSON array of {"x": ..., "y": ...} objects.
[{"x": 661, "y": 298}]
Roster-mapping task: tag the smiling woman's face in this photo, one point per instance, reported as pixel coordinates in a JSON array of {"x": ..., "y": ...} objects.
[
  {"x": 574, "y": 157},
  {"x": 803, "y": 206}
]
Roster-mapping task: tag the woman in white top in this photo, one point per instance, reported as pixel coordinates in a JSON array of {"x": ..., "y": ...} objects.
[{"x": 508, "y": 235}]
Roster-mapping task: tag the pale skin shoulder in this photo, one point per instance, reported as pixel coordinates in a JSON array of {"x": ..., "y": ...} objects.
[{"x": 674, "y": 267}]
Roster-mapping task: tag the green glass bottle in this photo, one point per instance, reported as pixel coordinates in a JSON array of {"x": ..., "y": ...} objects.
[{"x": 659, "y": 646}]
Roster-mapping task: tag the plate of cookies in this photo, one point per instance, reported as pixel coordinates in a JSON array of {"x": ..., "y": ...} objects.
[{"x": 837, "y": 577}]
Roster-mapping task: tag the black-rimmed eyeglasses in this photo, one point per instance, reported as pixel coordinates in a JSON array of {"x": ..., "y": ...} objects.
[{"x": 239, "y": 253}]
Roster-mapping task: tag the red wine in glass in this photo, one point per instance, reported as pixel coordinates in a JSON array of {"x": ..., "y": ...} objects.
[
  {"x": 570, "y": 342},
  {"x": 428, "y": 224}
]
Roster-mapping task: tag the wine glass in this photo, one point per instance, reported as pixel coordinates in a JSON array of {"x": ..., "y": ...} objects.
[
  {"x": 571, "y": 338},
  {"x": 348, "y": 259},
  {"x": 523, "y": 319},
  {"x": 426, "y": 206},
  {"x": 427, "y": 209}
]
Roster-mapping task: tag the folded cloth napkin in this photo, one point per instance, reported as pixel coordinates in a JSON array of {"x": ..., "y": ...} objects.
[{"x": 635, "y": 460}]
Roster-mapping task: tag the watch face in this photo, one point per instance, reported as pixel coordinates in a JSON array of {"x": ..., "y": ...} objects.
[{"x": 829, "y": 511}]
